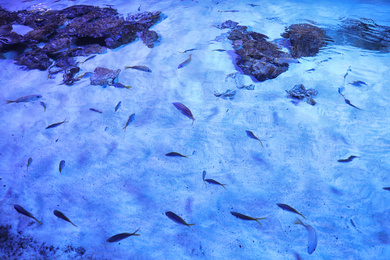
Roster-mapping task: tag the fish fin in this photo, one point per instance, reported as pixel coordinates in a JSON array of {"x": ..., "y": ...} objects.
[
  {"x": 298, "y": 221},
  {"x": 223, "y": 185},
  {"x": 10, "y": 101},
  {"x": 257, "y": 220},
  {"x": 261, "y": 142},
  {"x": 124, "y": 128},
  {"x": 302, "y": 216},
  {"x": 72, "y": 223},
  {"x": 38, "y": 221}
]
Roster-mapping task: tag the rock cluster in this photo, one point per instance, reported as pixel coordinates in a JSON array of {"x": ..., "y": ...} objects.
[{"x": 299, "y": 93}]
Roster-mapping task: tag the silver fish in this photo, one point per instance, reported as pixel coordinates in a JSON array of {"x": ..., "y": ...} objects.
[
  {"x": 184, "y": 110},
  {"x": 56, "y": 124},
  {"x": 21, "y": 210},
  {"x": 25, "y": 99},
  {"x": 44, "y": 106},
  {"x": 121, "y": 236},
  {"x": 118, "y": 106},
  {"x": 60, "y": 215},
  {"x": 312, "y": 242},
  {"x": 185, "y": 63},
  {"x": 141, "y": 68},
  {"x": 131, "y": 119}
]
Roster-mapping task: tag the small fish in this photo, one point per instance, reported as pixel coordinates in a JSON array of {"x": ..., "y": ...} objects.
[
  {"x": 310, "y": 70},
  {"x": 252, "y": 5},
  {"x": 348, "y": 70},
  {"x": 141, "y": 68},
  {"x": 184, "y": 110},
  {"x": 203, "y": 176},
  {"x": 349, "y": 103},
  {"x": 312, "y": 242},
  {"x": 118, "y": 106},
  {"x": 25, "y": 99},
  {"x": 185, "y": 63},
  {"x": 95, "y": 110},
  {"x": 358, "y": 83},
  {"x": 219, "y": 50},
  {"x": 175, "y": 154},
  {"x": 121, "y": 236},
  {"x": 61, "y": 165},
  {"x": 44, "y": 106},
  {"x": 139, "y": 8},
  {"x": 131, "y": 119},
  {"x": 187, "y": 51},
  {"x": 288, "y": 208},
  {"x": 86, "y": 74},
  {"x": 177, "y": 219},
  {"x": 228, "y": 11},
  {"x": 120, "y": 85},
  {"x": 87, "y": 59},
  {"x": 386, "y": 188},
  {"x": 21, "y": 210},
  {"x": 251, "y": 135},
  {"x": 62, "y": 216},
  {"x": 244, "y": 217},
  {"x": 56, "y": 124},
  {"x": 211, "y": 181},
  {"x": 353, "y": 224},
  {"x": 349, "y": 159},
  {"x": 29, "y": 162}
]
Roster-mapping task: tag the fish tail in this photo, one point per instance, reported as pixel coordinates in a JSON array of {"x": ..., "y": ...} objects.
[
  {"x": 223, "y": 185},
  {"x": 38, "y": 221},
  {"x": 302, "y": 216},
  {"x": 65, "y": 121},
  {"x": 261, "y": 142},
  {"x": 257, "y": 220},
  {"x": 72, "y": 224},
  {"x": 124, "y": 128},
  {"x": 190, "y": 224},
  {"x": 298, "y": 221},
  {"x": 10, "y": 101}
]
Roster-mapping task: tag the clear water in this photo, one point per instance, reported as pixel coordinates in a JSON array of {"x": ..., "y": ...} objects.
[{"x": 116, "y": 181}]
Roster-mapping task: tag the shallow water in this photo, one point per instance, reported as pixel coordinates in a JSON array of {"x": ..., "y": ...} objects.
[{"x": 116, "y": 181}]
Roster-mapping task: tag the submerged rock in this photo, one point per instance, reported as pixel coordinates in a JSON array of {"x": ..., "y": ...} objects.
[
  {"x": 305, "y": 40},
  {"x": 299, "y": 93},
  {"x": 103, "y": 76}
]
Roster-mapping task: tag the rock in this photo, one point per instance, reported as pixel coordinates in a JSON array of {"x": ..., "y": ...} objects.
[
  {"x": 227, "y": 94},
  {"x": 103, "y": 76},
  {"x": 34, "y": 59},
  {"x": 149, "y": 38},
  {"x": 227, "y": 24},
  {"x": 305, "y": 39},
  {"x": 69, "y": 74},
  {"x": 299, "y": 93}
]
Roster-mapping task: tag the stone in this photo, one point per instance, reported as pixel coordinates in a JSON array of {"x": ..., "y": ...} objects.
[
  {"x": 103, "y": 76},
  {"x": 299, "y": 93}
]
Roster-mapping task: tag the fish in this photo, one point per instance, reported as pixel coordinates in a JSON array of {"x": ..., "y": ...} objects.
[
  {"x": 184, "y": 110},
  {"x": 349, "y": 103},
  {"x": 60, "y": 215},
  {"x": 312, "y": 241},
  {"x": 185, "y": 63},
  {"x": 87, "y": 59},
  {"x": 29, "y": 162},
  {"x": 244, "y": 217},
  {"x": 175, "y": 154},
  {"x": 349, "y": 159},
  {"x": 25, "y": 99},
  {"x": 44, "y": 106},
  {"x": 120, "y": 85},
  {"x": 228, "y": 11},
  {"x": 118, "y": 106},
  {"x": 288, "y": 208},
  {"x": 121, "y": 236},
  {"x": 251, "y": 135},
  {"x": 211, "y": 181},
  {"x": 219, "y": 50},
  {"x": 387, "y": 188},
  {"x": 353, "y": 224},
  {"x": 56, "y": 124},
  {"x": 21, "y": 210},
  {"x": 358, "y": 83},
  {"x": 141, "y": 68},
  {"x": 139, "y": 8},
  {"x": 62, "y": 165},
  {"x": 86, "y": 74},
  {"x": 187, "y": 51},
  {"x": 252, "y": 5},
  {"x": 131, "y": 119},
  {"x": 95, "y": 110},
  {"x": 310, "y": 70},
  {"x": 177, "y": 219},
  {"x": 203, "y": 176}
]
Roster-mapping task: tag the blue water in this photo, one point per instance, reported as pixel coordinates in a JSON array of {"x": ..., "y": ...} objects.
[{"x": 117, "y": 181}]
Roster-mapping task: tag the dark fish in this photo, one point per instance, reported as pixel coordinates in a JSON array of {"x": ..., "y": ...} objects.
[
  {"x": 86, "y": 74},
  {"x": 312, "y": 242},
  {"x": 310, "y": 70},
  {"x": 252, "y": 5},
  {"x": 57, "y": 124},
  {"x": 141, "y": 68},
  {"x": 184, "y": 110},
  {"x": 185, "y": 63},
  {"x": 25, "y": 99},
  {"x": 288, "y": 208},
  {"x": 219, "y": 50},
  {"x": 228, "y": 11},
  {"x": 348, "y": 70},
  {"x": 203, "y": 176},
  {"x": 62, "y": 216},
  {"x": 187, "y": 50},
  {"x": 211, "y": 181},
  {"x": 95, "y": 110},
  {"x": 349, "y": 103},
  {"x": 387, "y": 188},
  {"x": 139, "y": 8},
  {"x": 177, "y": 219},
  {"x": 121, "y": 236},
  {"x": 25, "y": 212},
  {"x": 349, "y": 159},
  {"x": 353, "y": 224},
  {"x": 87, "y": 59},
  {"x": 244, "y": 217},
  {"x": 29, "y": 162},
  {"x": 120, "y": 85},
  {"x": 175, "y": 154},
  {"x": 251, "y": 135},
  {"x": 131, "y": 119},
  {"x": 44, "y": 106},
  {"x": 358, "y": 83},
  {"x": 118, "y": 106},
  {"x": 62, "y": 165}
]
